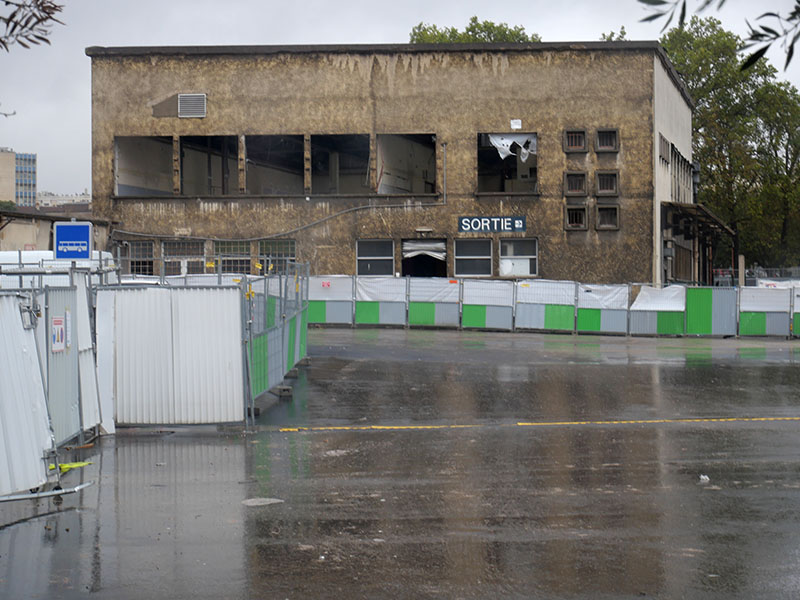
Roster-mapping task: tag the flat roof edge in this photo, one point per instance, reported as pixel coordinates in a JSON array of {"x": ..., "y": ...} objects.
[{"x": 364, "y": 48}]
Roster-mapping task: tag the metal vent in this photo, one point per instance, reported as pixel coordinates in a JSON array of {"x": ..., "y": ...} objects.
[{"x": 191, "y": 105}]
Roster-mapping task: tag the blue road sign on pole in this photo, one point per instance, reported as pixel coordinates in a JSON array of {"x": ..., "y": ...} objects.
[{"x": 72, "y": 239}]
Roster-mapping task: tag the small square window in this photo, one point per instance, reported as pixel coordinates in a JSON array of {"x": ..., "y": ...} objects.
[
  {"x": 575, "y": 140},
  {"x": 607, "y": 140},
  {"x": 607, "y": 217},
  {"x": 575, "y": 218},
  {"x": 574, "y": 184},
  {"x": 607, "y": 184}
]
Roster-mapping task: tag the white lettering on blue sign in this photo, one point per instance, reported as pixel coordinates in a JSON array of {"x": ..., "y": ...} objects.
[{"x": 491, "y": 224}]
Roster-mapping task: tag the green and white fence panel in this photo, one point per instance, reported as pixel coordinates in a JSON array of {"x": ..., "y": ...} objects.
[
  {"x": 433, "y": 302},
  {"x": 487, "y": 304},
  {"x": 381, "y": 300},
  {"x": 659, "y": 311},
  {"x": 545, "y": 305},
  {"x": 602, "y": 308},
  {"x": 795, "y": 309},
  {"x": 330, "y": 299},
  {"x": 764, "y": 311},
  {"x": 711, "y": 311}
]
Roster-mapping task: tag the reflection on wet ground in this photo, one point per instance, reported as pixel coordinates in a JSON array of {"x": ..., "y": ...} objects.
[{"x": 494, "y": 509}]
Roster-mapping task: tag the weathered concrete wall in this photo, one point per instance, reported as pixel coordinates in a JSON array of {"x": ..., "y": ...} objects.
[{"x": 454, "y": 95}]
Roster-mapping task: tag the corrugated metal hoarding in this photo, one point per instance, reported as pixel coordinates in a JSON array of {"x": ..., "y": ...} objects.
[
  {"x": 178, "y": 355},
  {"x": 24, "y": 423}
]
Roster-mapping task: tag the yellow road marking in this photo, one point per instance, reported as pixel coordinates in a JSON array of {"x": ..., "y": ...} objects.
[{"x": 534, "y": 424}]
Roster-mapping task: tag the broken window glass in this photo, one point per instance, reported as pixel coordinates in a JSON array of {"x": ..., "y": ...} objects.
[{"x": 507, "y": 163}]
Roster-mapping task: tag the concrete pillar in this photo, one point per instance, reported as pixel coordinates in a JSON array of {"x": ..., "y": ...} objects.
[
  {"x": 307, "y": 163},
  {"x": 242, "y": 165},
  {"x": 176, "y": 165}
]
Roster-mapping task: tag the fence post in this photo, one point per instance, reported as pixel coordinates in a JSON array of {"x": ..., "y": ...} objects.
[
  {"x": 628, "y": 312},
  {"x": 460, "y": 304},
  {"x": 514, "y": 305},
  {"x": 353, "y": 295},
  {"x": 575, "y": 309},
  {"x": 408, "y": 299}
]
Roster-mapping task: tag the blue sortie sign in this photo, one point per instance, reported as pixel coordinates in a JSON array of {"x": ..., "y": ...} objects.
[
  {"x": 491, "y": 224},
  {"x": 72, "y": 240}
]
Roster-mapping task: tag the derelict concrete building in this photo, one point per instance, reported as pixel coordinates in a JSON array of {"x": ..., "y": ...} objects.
[{"x": 556, "y": 160}]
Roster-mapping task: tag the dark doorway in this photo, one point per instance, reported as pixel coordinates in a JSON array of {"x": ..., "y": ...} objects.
[
  {"x": 424, "y": 266},
  {"x": 425, "y": 258}
]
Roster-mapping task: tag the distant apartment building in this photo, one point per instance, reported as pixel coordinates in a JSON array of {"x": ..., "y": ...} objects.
[
  {"x": 49, "y": 199},
  {"x": 17, "y": 177}
]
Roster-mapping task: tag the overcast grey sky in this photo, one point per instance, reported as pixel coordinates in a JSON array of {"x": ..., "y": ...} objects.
[{"x": 49, "y": 87}]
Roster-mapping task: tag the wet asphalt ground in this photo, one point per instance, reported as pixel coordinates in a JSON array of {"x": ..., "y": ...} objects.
[{"x": 444, "y": 464}]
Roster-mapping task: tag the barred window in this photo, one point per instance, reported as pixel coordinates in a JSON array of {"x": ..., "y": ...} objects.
[
  {"x": 607, "y": 183},
  {"x": 574, "y": 184},
  {"x": 140, "y": 258},
  {"x": 607, "y": 217},
  {"x": 275, "y": 255},
  {"x": 607, "y": 140},
  {"x": 575, "y": 140},
  {"x": 575, "y": 218},
  {"x": 183, "y": 257},
  {"x": 228, "y": 253}
]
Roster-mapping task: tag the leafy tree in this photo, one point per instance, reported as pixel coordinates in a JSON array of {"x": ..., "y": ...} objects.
[
  {"x": 28, "y": 22},
  {"x": 785, "y": 27},
  {"x": 4, "y": 205},
  {"x": 614, "y": 37},
  {"x": 743, "y": 138},
  {"x": 475, "y": 32}
]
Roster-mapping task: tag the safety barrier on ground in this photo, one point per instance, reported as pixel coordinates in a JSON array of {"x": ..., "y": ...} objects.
[
  {"x": 487, "y": 304},
  {"x": 659, "y": 311},
  {"x": 545, "y": 305},
  {"x": 24, "y": 423},
  {"x": 433, "y": 302},
  {"x": 711, "y": 311},
  {"x": 331, "y": 299},
  {"x": 602, "y": 308},
  {"x": 381, "y": 301},
  {"x": 765, "y": 311}
]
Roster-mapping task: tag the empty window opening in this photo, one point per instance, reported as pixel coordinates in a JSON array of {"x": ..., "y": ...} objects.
[
  {"x": 209, "y": 165},
  {"x": 375, "y": 257},
  {"x": 425, "y": 258},
  {"x": 473, "y": 257},
  {"x": 606, "y": 183},
  {"x": 607, "y": 217},
  {"x": 519, "y": 257},
  {"x": 183, "y": 257},
  {"x": 607, "y": 140},
  {"x": 139, "y": 257},
  {"x": 406, "y": 164},
  {"x": 575, "y": 217},
  {"x": 234, "y": 257},
  {"x": 575, "y": 184},
  {"x": 575, "y": 140},
  {"x": 507, "y": 163},
  {"x": 143, "y": 166},
  {"x": 275, "y": 255},
  {"x": 274, "y": 164},
  {"x": 340, "y": 164}
]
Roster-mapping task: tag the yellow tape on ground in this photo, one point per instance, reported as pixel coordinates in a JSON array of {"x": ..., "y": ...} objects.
[{"x": 535, "y": 424}]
